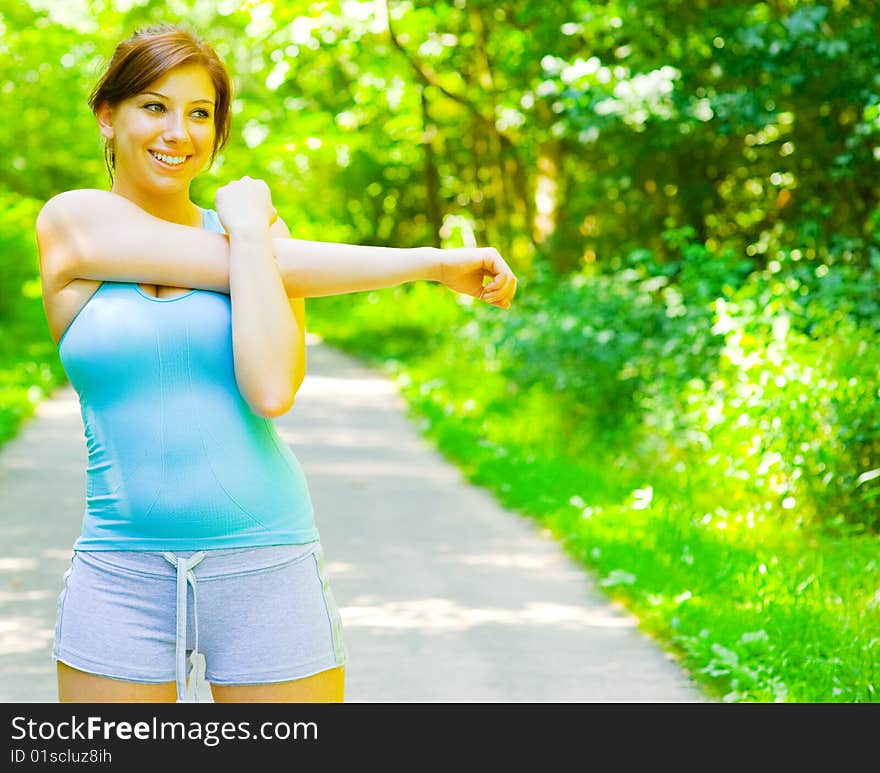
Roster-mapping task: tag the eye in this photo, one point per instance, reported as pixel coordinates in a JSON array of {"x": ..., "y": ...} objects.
[{"x": 160, "y": 108}]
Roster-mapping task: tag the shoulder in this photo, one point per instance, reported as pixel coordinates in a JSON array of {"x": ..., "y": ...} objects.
[
  {"x": 57, "y": 225},
  {"x": 57, "y": 212},
  {"x": 68, "y": 207},
  {"x": 56, "y": 215},
  {"x": 49, "y": 212},
  {"x": 74, "y": 198}
]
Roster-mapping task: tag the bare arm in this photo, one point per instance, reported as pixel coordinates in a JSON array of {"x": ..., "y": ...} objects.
[
  {"x": 268, "y": 343},
  {"x": 93, "y": 234}
]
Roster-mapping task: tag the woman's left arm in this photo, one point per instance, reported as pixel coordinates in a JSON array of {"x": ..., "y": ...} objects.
[{"x": 268, "y": 341}]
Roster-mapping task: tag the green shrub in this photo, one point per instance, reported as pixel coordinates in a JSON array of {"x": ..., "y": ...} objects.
[
  {"x": 20, "y": 261},
  {"x": 753, "y": 376}
]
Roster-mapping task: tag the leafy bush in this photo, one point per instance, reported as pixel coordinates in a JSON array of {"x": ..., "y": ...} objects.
[
  {"x": 724, "y": 373},
  {"x": 20, "y": 263},
  {"x": 29, "y": 366}
]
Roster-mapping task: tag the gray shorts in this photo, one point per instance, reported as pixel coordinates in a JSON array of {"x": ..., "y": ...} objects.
[{"x": 257, "y": 615}]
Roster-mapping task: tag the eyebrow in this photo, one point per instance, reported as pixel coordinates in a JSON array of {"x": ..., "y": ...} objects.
[{"x": 156, "y": 93}]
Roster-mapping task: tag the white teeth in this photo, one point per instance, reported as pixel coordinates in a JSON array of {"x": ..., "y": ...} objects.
[{"x": 173, "y": 160}]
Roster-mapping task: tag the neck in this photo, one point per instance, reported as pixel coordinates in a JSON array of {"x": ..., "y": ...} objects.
[{"x": 175, "y": 207}]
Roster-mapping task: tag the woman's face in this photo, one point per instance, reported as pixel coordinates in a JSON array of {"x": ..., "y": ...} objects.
[{"x": 163, "y": 136}]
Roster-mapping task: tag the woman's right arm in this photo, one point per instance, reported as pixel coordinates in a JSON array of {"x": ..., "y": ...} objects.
[{"x": 94, "y": 234}]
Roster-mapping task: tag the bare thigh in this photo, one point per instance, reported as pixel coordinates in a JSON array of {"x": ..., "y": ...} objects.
[
  {"x": 324, "y": 687},
  {"x": 75, "y": 686}
]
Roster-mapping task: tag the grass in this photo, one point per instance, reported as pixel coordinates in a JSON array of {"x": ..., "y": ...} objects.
[{"x": 755, "y": 604}]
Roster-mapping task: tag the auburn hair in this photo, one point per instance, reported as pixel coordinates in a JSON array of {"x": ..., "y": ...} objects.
[{"x": 146, "y": 56}]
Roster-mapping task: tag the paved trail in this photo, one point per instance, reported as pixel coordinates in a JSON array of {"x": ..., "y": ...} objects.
[{"x": 444, "y": 594}]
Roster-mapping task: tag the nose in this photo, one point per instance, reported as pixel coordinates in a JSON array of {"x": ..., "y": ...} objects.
[{"x": 175, "y": 128}]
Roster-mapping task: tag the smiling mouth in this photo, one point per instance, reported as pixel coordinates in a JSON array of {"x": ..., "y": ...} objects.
[{"x": 169, "y": 160}]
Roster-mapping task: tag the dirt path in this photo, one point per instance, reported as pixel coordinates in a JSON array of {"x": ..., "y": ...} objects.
[{"x": 444, "y": 594}]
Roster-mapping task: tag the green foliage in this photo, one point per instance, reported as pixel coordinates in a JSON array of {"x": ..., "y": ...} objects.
[
  {"x": 29, "y": 365},
  {"x": 754, "y": 384},
  {"x": 602, "y": 339},
  {"x": 28, "y": 375},
  {"x": 571, "y": 131},
  {"x": 20, "y": 264}
]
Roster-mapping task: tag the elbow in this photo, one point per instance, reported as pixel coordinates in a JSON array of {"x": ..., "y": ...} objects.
[
  {"x": 273, "y": 397},
  {"x": 273, "y": 406}
]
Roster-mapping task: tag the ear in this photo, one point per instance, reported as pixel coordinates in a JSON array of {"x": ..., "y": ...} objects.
[{"x": 104, "y": 115}]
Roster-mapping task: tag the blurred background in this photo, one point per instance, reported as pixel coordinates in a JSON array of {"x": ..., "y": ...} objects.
[{"x": 685, "y": 390}]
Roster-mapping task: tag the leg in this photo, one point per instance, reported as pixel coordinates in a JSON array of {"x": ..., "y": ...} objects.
[
  {"x": 324, "y": 687},
  {"x": 75, "y": 686}
]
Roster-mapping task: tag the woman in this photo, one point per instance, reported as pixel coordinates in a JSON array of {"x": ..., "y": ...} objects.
[{"x": 182, "y": 330}]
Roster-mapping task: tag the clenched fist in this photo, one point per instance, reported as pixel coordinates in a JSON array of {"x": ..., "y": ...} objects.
[
  {"x": 245, "y": 204},
  {"x": 463, "y": 269}
]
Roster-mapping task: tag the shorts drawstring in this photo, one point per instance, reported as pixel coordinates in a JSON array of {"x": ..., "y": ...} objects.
[{"x": 186, "y": 693}]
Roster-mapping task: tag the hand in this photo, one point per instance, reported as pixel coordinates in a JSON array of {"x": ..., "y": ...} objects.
[
  {"x": 463, "y": 269},
  {"x": 245, "y": 204}
]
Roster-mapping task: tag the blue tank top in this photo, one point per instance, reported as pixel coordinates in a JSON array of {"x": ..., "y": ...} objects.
[{"x": 177, "y": 460}]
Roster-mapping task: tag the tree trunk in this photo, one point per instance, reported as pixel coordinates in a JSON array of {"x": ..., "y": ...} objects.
[
  {"x": 432, "y": 179},
  {"x": 496, "y": 189}
]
